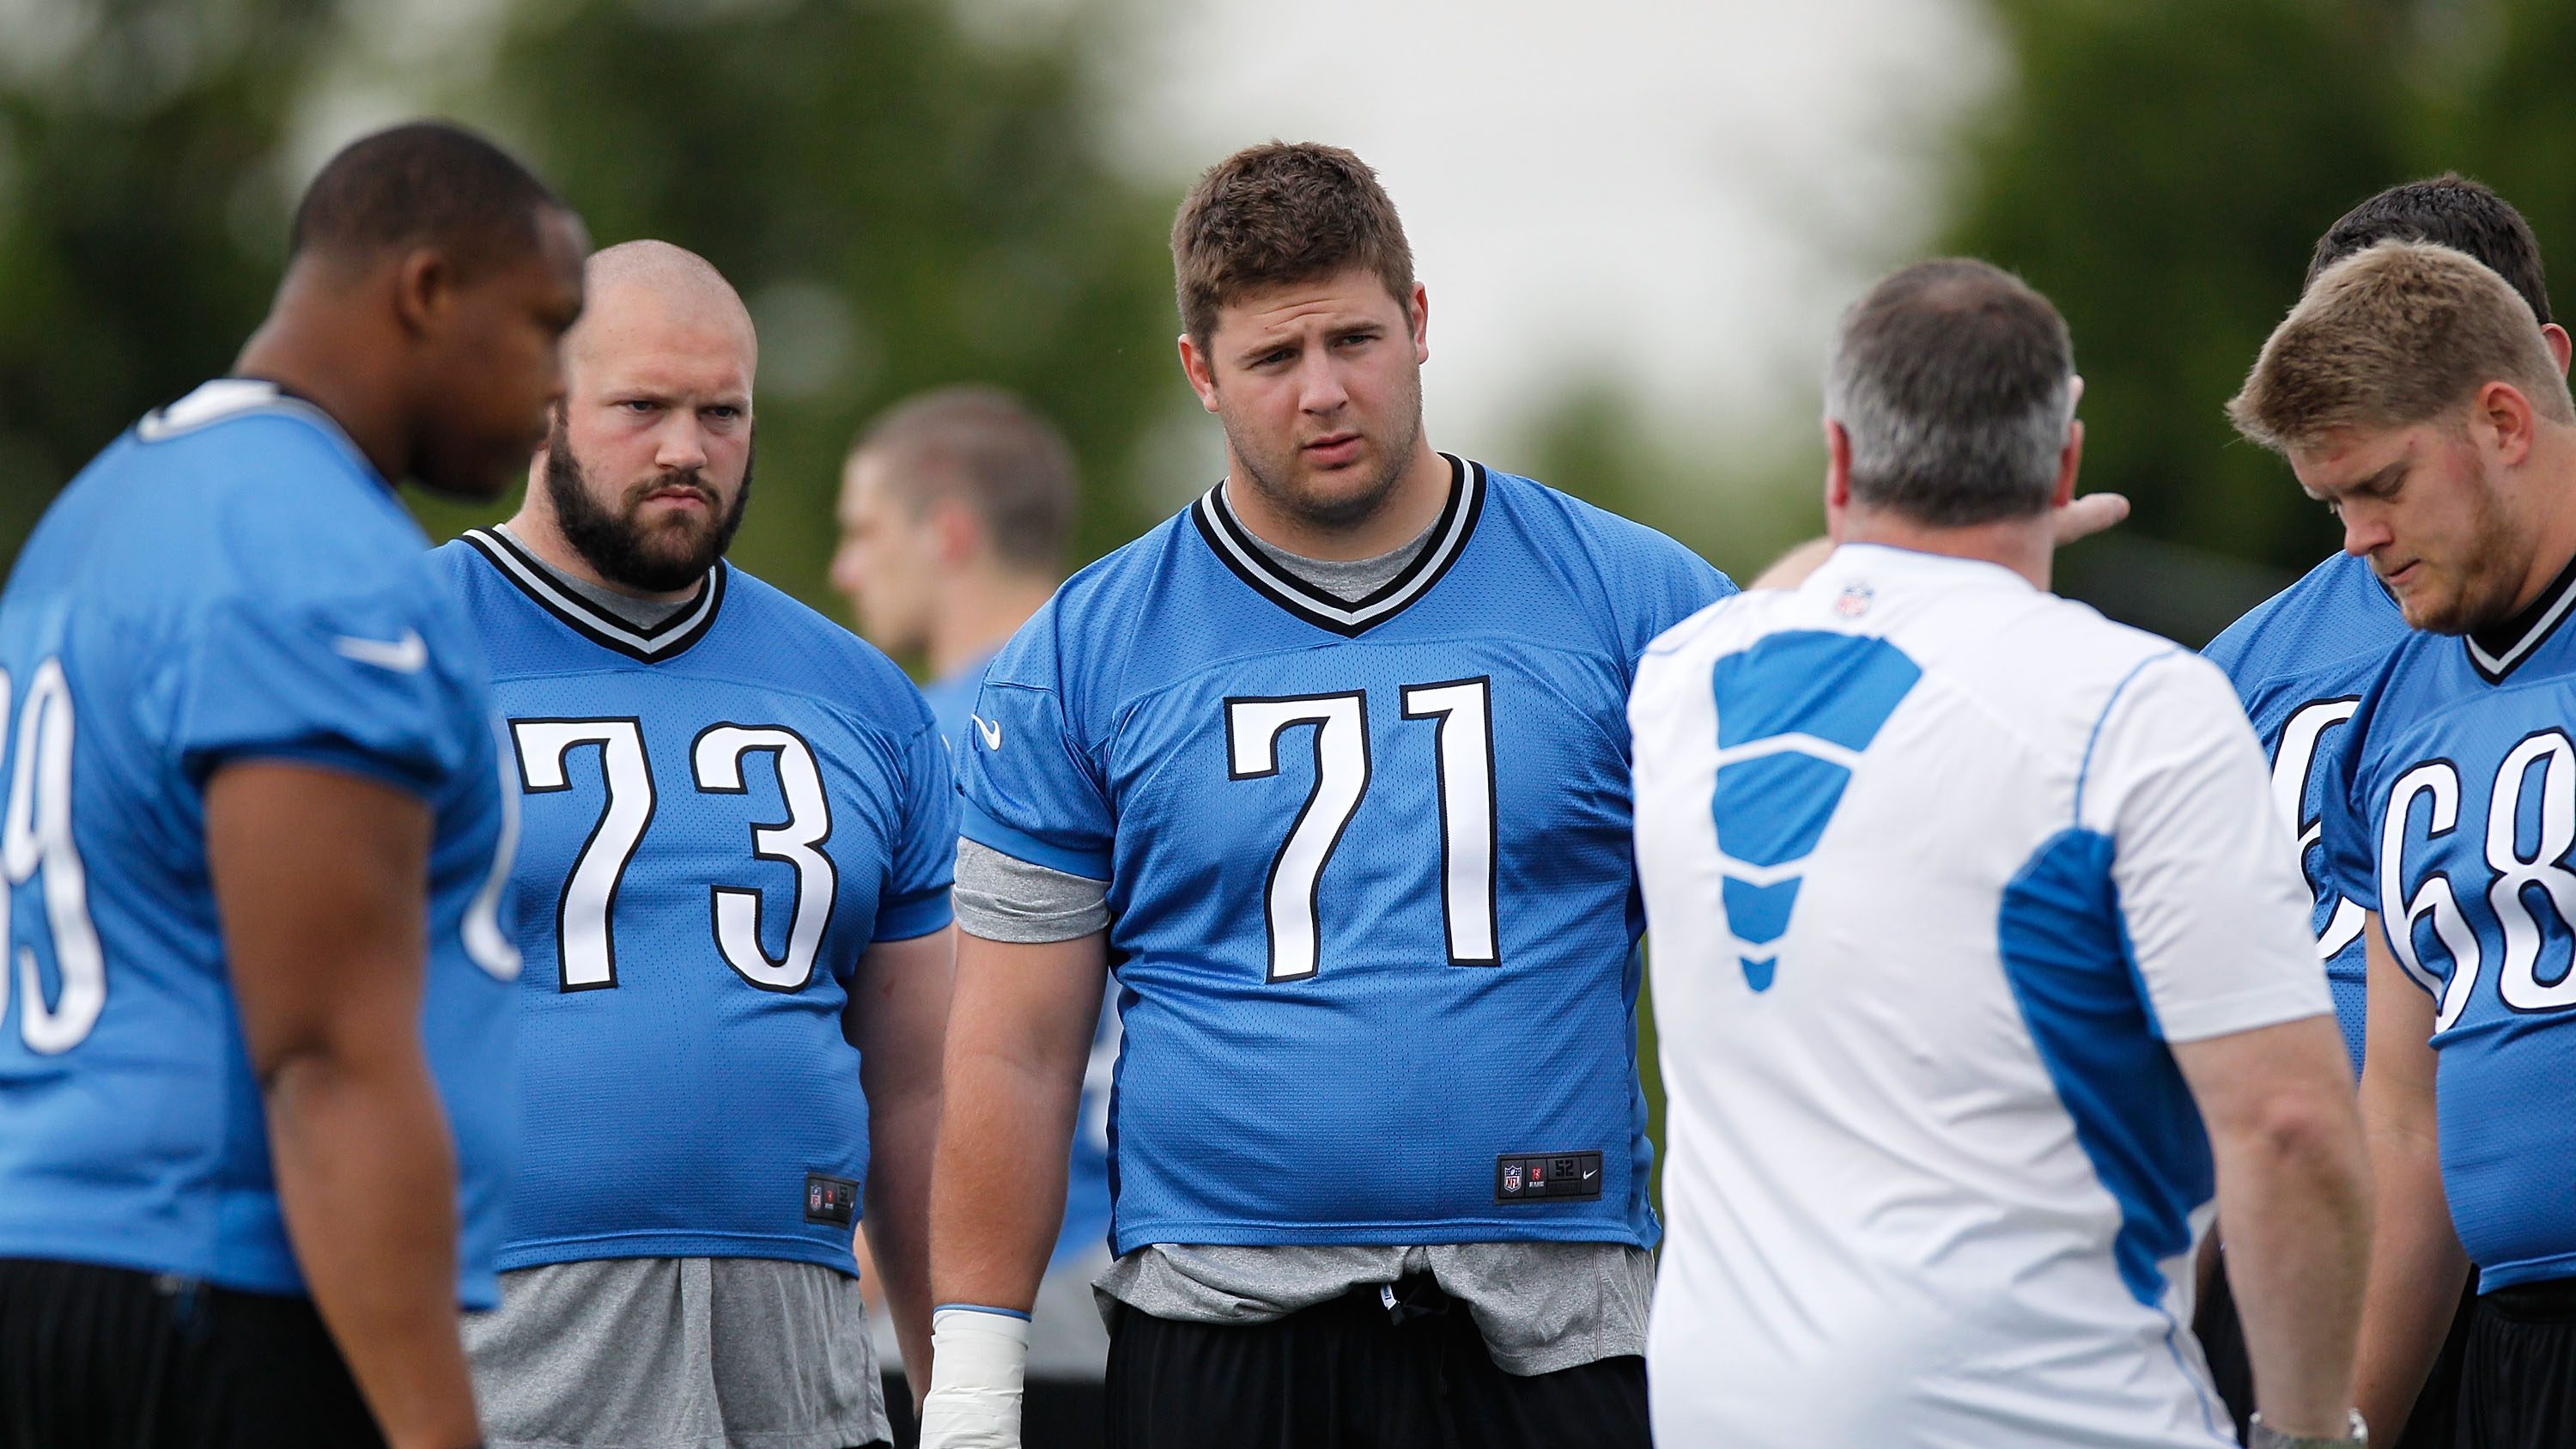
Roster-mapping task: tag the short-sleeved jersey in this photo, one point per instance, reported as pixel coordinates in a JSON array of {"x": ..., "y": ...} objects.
[
  {"x": 1086, "y": 1184},
  {"x": 720, "y": 815},
  {"x": 1373, "y": 909},
  {"x": 229, "y": 582},
  {"x": 1938, "y": 866},
  {"x": 2299, "y": 661},
  {"x": 2458, "y": 832}
]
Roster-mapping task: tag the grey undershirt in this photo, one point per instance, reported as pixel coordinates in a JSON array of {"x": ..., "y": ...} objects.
[
  {"x": 641, "y": 613},
  {"x": 1540, "y": 1306}
]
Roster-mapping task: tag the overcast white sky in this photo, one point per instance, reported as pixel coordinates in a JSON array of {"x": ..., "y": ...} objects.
[
  {"x": 1683, "y": 192},
  {"x": 1679, "y": 194}
]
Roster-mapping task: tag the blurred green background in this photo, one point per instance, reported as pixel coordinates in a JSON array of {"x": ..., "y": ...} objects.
[{"x": 912, "y": 192}]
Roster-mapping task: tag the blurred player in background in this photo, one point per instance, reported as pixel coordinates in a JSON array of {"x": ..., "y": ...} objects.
[
  {"x": 255, "y": 1070},
  {"x": 2299, "y": 662},
  {"x": 733, "y": 888},
  {"x": 2413, "y": 390},
  {"x": 955, "y": 510},
  {"x": 1332, "y": 766},
  {"x": 1978, "y": 962}
]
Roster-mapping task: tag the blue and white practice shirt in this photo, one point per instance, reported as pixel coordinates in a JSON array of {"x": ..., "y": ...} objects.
[
  {"x": 229, "y": 582},
  {"x": 2299, "y": 661},
  {"x": 1372, "y": 907},
  {"x": 1937, "y": 865},
  {"x": 2459, "y": 829},
  {"x": 722, "y": 813}
]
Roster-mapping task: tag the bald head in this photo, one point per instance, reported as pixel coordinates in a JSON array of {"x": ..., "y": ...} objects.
[
  {"x": 649, "y": 465},
  {"x": 644, "y": 295}
]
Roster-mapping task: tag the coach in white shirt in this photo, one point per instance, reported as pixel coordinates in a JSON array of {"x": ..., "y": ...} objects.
[{"x": 1981, "y": 963}]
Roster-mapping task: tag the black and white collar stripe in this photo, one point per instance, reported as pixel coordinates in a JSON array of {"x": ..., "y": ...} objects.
[
  {"x": 2498, "y": 648},
  {"x": 660, "y": 641},
  {"x": 1234, "y": 546}
]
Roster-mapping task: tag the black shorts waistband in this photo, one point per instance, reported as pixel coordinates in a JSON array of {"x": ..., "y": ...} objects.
[{"x": 2551, "y": 1300}]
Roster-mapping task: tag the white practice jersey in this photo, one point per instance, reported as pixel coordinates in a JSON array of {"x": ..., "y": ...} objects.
[{"x": 1936, "y": 864}]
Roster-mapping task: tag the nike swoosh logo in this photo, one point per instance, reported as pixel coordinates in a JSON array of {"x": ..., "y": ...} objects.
[
  {"x": 1596, "y": 1172},
  {"x": 991, "y": 732},
  {"x": 406, "y": 655}
]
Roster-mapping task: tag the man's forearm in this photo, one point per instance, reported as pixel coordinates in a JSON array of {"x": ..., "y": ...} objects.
[
  {"x": 368, "y": 1184},
  {"x": 997, "y": 1192},
  {"x": 2416, "y": 1272},
  {"x": 2296, "y": 1203},
  {"x": 902, "y": 1133}
]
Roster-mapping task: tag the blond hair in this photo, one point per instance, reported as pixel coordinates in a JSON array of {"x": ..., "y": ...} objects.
[{"x": 2397, "y": 334}]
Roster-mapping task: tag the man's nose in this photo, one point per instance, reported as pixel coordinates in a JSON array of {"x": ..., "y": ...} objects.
[
  {"x": 681, "y": 443},
  {"x": 2364, "y": 533},
  {"x": 1320, "y": 388}
]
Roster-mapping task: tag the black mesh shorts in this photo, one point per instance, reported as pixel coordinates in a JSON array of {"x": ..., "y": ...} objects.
[
  {"x": 1357, "y": 1373},
  {"x": 2518, "y": 1377},
  {"x": 109, "y": 1358}
]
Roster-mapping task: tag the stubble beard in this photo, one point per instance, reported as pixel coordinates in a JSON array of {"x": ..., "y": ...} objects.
[
  {"x": 2498, "y": 562},
  {"x": 1339, "y": 512}
]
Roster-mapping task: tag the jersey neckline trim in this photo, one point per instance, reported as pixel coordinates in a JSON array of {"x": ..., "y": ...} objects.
[
  {"x": 223, "y": 399},
  {"x": 665, "y": 640},
  {"x": 1234, "y": 547},
  {"x": 2498, "y": 649}
]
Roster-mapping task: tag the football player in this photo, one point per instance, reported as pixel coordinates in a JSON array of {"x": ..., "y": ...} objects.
[
  {"x": 1333, "y": 767},
  {"x": 2299, "y": 661},
  {"x": 733, "y": 889},
  {"x": 2413, "y": 390},
  {"x": 254, "y": 1077}
]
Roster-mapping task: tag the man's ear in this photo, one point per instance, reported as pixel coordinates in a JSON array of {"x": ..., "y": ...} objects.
[
  {"x": 1837, "y": 477},
  {"x": 2069, "y": 459},
  {"x": 2555, "y": 338},
  {"x": 958, "y": 534},
  {"x": 1196, "y": 365},
  {"x": 424, "y": 290},
  {"x": 1421, "y": 320},
  {"x": 2506, "y": 420}
]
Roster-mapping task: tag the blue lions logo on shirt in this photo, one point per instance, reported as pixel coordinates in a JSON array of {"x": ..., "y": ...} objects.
[{"x": 1794, "y": 713}]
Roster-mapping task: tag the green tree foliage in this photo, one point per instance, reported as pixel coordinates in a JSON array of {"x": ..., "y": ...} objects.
[
  {"x": 2162, "y": 171},
  {"x": 139, "y": 212},
  {"x": 903, "y": 203}
]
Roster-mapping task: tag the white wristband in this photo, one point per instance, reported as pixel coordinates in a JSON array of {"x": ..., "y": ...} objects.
[{"x": 977, "y": 1359}]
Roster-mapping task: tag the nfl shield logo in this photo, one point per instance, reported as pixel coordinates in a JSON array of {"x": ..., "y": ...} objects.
[
  {"x": 1512, "y": 1178},
  {"x": 813, "y": 1197}
]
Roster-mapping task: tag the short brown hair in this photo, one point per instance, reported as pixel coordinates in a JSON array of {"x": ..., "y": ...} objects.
[
  {"x": 1283, "y": 212},
  {"x": 2393, "y": 335},
  {"x": 989, "y": 450}
]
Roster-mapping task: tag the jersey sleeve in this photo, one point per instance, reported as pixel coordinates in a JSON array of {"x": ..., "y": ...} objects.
[
  {"x": 2212, "y": 903},
  {"x": 383, "y": 683},
  {"x": 916, "y": 902},
  {"x": 1029, "y": 784},
  {"x": 1656, "y": 583}
]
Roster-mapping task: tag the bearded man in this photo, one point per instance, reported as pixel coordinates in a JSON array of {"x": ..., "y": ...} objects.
[{"x": 732, "y": 895}]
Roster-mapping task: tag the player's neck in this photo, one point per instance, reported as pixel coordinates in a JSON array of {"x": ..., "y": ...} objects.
[
  {"x": 534, "y": 527},
  {"x": 2023, "y": 545},
  {"x": 335, "y": 373},
  {"x": 1417, "y": 498},
  {"x": 979, "y": 614},
  {"x": 2554, "y": 531}
]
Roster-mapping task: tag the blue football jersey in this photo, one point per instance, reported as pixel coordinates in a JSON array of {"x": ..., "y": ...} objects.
[
  {"x": 721, "y": 814},
  {"x": 1086, "y": 1184},
  {"x": 2299, "y": 661},
  {"x": 2461, "y": 822},
  {"x": 1373, "y": 904},
  {"x": 230, "y": 581}
]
